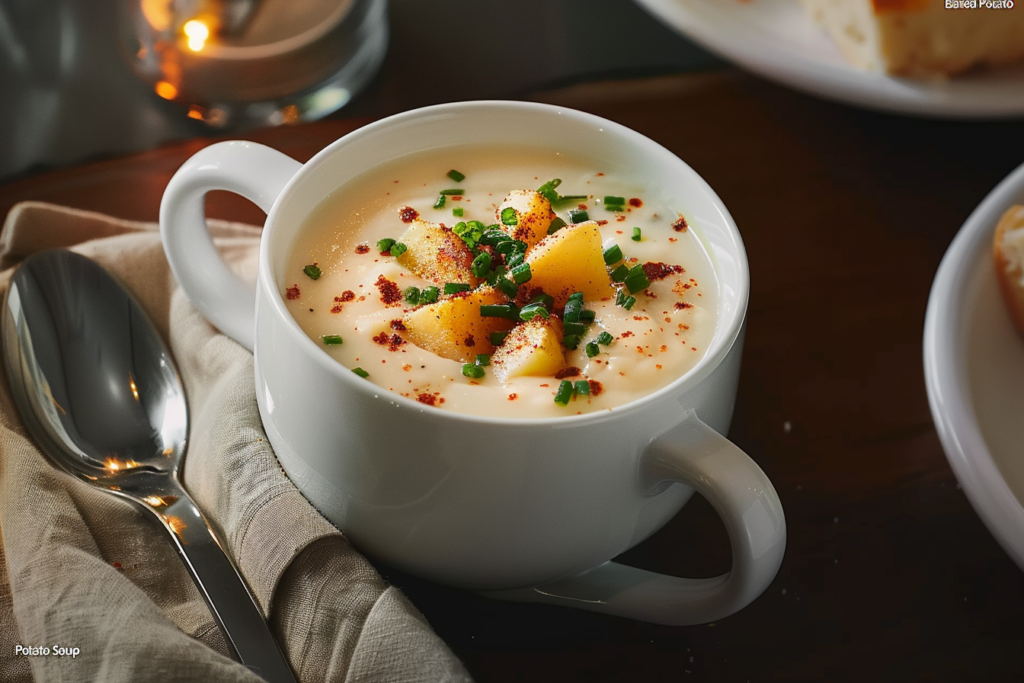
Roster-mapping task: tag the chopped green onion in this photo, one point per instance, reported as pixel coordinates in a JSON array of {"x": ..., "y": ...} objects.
[
  {"x": 571, "y": 341},
  {"x": 472, "y": 371},
  {"x": 495, "y": 275},
  {"x": 521, "y": 273},
  {"x": 397, "y": 249},
  {"x": 453, "y": 191},
  {"x": 456, "y": 287},
  {"x": 508, "y": 216},
  {"x": 545, "y": 299},
  {"x": 564, "y": 393},
  {"x": 576, "y": 296},
  {"x": 508, "y": 311},
  {"x": 620, "y": 296},
  {"x": 531, "y": 311},
  {"x": 477, "y": 227},
  {"x": 572, "y": 310},
  {"x": 483, "y": 359},
  {"x": 508, "y": 288},
  {"x": 578, "y": 216},
  {"x": 456, "y": 176},
  {"x": 514, "y": 259},
  {"x": 636, "y": 235},
  {"x": 331, "y": 339},
  {"x": 505, "y": 247},
  {"x": 572, "y": 198},
  {"x": 548, "y": 190},
  {"x": 612, "y": 254},
  {"x": 587, "y": 316},
  {"x": 429, "y": 295},
  {"x": 636, "y": 280},
  {"x": 556, "y": 225},
  {"x": 412, "y": 295},
  {"x": 481, "y": 264},
  {"x": 362, "y": 373},
  {"x": 494, "y": 236},
  {"x": 574, "y": 328},
  {"x": 439, "y": 204},
  {"x": 312, "y": 271},
  {"x": 385, "y": 244},
  {"x": 498, "y": 338},
  {"x": 592, "y": 349},
  {"x": 605, "y": 338},
  {"x": 620, "y": 273},
  {"x": 458, "y": 211},
  {"x": 628, "y": 303},
  {"x": 583, "y": 387},
  {"x": 609, "y": 199}
]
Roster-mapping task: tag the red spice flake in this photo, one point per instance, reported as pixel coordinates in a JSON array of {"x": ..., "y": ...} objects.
[
  {"x": 664, "y": 348},
  {"x": 398, "y": 325},
  {"x": 658, "y": 366},
  {"x": 408, "y": 214},
  {"x": 604, "y": 222},
  {"x": 456, "y": 197},
  {"x": 620, "y": 218},
  {"x": 595, "y": 387},
  {"x": 673, "y": 239},
  {"x": 693, "y": 348},
  {"x": 513, "y": 397},
  {"x": 636, "y": 202},
  {"x": 625, "y": 334},
  {"x": 639, "y": 349},
  {"x": 336, "y": 308},
  {"x": 390, "y": 294},
  {"x": 392, "y": 342},
  {"x": 570, "y": 371},
  {"x": 362, "y": 248},
  {"x": 581, "y": 207},
  {"x": 293, "y": 292},
  {"x": 545, "y": 385},
  {"x": 381, "y": 338},
  {"x": 680, "y": 225},
  {"x": 600, "y": 174},
  {"x": 681, "y": 305},
  {"x": 469, "y": 340},
  {"x": 680, "y": 287},
  {"x": 117, "y": 564},
  {"x": 427, "y": 399},
  {"x": 640, "y": 317},
  {"x": 655, "y": 270},
  {"x": 347, "y": 295}
]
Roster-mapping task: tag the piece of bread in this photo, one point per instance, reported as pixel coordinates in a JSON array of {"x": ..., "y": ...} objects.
[
  {"x": 922, "y": 37},
  {"x": 1008, "y": 250}
]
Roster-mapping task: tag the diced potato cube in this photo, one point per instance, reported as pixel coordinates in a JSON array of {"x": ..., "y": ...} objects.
[
  {"x": 436, "y": 253},
  {"x": 531, "y": 348},
  {"x": 453, "y": 327},
  {"x": 533, "y": 215},
  {"x": 571, "y": 260}
]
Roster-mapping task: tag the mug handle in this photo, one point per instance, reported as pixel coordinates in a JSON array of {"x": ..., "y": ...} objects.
[
  {"x": 746, "y": 501},
  {"x": 252, "y": 170}
]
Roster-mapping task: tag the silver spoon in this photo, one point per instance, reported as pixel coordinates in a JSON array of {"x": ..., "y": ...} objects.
[{"x": 99, "y": 393}]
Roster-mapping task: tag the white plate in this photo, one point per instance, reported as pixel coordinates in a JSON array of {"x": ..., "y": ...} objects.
[
  {"x": 778, "y": 40},
  {"x": 974, "y": 369}
]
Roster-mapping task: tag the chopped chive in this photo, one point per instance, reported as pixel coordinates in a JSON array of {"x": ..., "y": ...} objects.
[
  {"x": 605, "y": 338},
  {"x": 577, "y": 296},
  {"x": 531, "y": 311},
  {"x": 636, "y": 280},
  {"x": 505, "y": 247},
  {"x": 494, "y": 236},
  {"x": 457, "y": 191},
  {"x": 592, "y": 349},
  {"x": 495, "y": 275},
  {"x": 620, "y": 273},
  {"x": 508, "y": 216},
  {"x": 456, "y": 287},
  {"x": 582, "y": 387},
  {"x": 521, "y": 273},
  {"x": 545, "y": 300},
  {"x": 362, "y": 373},
  {"x": 458, "y": 211},
  {"x": 571, "y": 341},
  {"x": 483, "y": 359},
  {"x": 564, "y": 393},
  {"x": 578, "y": 216},
  {"x": 612, "y": 254},
  {"x": 472, "y": 371},
  {"x": 397, "y": 249},
  {"x": 514, "y": 259},
  {"x": 331, "y": 339},
  {"x": 636, "y": 235},
  {"x": 385, "y": 244},
  {"x": 587, "y": 316},
  {"x": 508, "y": 311},
  {"x": 610, "y": 199},
  {"x": 312, "y": 271},
  {"x": 574, "y": 328},
  {"x": 572, "y": 310},
  {"x": 508, "y": 288},
  {"x": 456, "y": 176},
  {"x": 498, "y": 338},
  {"x": 628, "y": 303},
  {"x": 572, "y": 198},
  {"x": 412, "y": 295},
  {"x": 481, "y": 264},
  {"x": 548, "y": 189},
  {"x": 439, "y": 204},
  {"x": 556, "y": 225},
  {"x": 429, "y": 295},
  {"x": 620, "y": 296}
]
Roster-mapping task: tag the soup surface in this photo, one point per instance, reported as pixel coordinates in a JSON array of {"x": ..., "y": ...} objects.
[{"x": 351, "y": 298}]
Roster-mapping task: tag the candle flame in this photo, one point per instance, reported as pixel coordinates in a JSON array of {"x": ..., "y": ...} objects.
[
  {"x": 166, "y": 90},
  {"x": 197, "y": 32},
  {"x": 135, "y": 389}
]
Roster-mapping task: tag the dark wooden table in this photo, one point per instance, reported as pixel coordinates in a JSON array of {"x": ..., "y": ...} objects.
[{"x": 889, "y": 573}]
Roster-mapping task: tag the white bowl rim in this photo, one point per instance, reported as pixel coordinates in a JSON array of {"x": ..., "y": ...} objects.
[{"x": 946, "y": 377}]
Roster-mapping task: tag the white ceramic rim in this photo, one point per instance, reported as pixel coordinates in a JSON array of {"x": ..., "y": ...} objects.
[
  {"x": 987, "y": 95},
  {"x": 726, "y": 333},
  {"x": 949, "y": 393}
]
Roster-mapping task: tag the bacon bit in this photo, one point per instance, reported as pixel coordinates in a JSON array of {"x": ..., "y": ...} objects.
[
  {"x": 293, "y": 292},
  {"x": 398, "y": 325},
  {"x": 681, "y": 305},
  {"x": 390, "y": 294},
  {"x": 680, "y": 225},
  {"x": 655, "y": 270},
  {"x": 408, "y": 214},
  {"x": 347, "y": 295},
  {"x": 570, "y": 371},
  {"x": 595, "y": 387},
  {"x": 362, "y": 248},
  {"x": 513, "y": 397},
  {"x": 635, "y": 201},
  {"x": 625, "y": 334},
  {"x": 469, "y": 340},
  {"x": 427, "y": 399}
]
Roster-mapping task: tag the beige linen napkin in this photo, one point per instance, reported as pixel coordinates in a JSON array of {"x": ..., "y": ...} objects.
[{"x": 83, "y": 569}]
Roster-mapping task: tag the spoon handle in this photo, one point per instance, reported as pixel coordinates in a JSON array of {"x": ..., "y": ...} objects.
[{"x": 224, "y": 589}]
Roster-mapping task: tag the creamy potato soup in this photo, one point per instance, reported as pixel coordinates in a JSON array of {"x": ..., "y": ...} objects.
[{"x": 471, "y": 280}]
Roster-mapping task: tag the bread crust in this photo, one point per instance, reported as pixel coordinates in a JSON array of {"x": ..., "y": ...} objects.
[{"x": 1008, "y": 271}]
